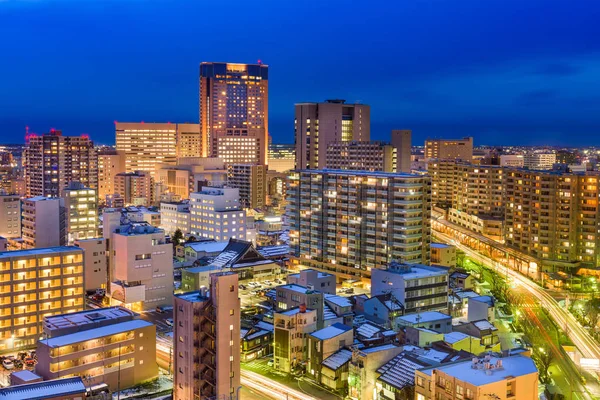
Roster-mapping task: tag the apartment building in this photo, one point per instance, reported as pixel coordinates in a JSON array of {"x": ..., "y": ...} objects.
[
  {"x": 81, "y": 212},
  {"x": 43, "y": 222},
  {"x": 317, "y": 125},
  {"x": 443, "y": 254},
  {"x": 96, "y": 261},
  {"x": 251, "y": 180},
  {"x": 216, "y": 213},
  {"x": 282, "y": 157},
  {"x": 291, "y": 296},
  {"x": 234, "y": 111},
  {"x": 418, "y": 287},
  {"x": 402, "y": 142},
  {"x": 539, "y": 161},
  {"x": 351, "y": 222},
  {"x": 135, "y": 188},
  {"x": 175, "y": 216},
  {"x": 361, "y": 156},
  {"x": 37, "y": 283},
  {"x": 449, "y": 149},
  {"x": 513, "y": 377},
  {"x": 190, "y": 174},
  {"x": 51, "y": 161},
  {"x": 512, "y": 160},
  {"x": 10, "y": 215},
  {"x": 206, "y": 341},
  {"x": 110, "y": 163},
  {"x": 291, "y": 328},
  {"x": 314, "y": 279},
  {"x": 106, "y": 345}
]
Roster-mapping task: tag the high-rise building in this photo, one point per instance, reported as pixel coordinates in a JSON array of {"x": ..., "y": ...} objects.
[
  {"x": 189, "y": 140},
  {"x": 191, "y": 174},
  {"x": 449, "y": 149},
  {"x": 319, "y": 124},
  {"x": 207, "y": 341},
  {"x": 43, "y": 223},
  {"x": 134, "y": 187},
  {"x": 52, "y": 161},
  {"x": 402, "y": 142},
  {"x": 539, "y": 161},
  {"x": 81, "y": 212},
  {"x": 10, "y": 215},
  {"x": 217, "y": 214},
  {"x": 251, "y": 180},
  {"x": 282, "y": 157},
  {"x": 37, "y": 283},
  {"x": 110, "y": 163},
  {"x": 234, "y": 112},
  {"x": 349, "y": 222},
  {"x": 361, "y": 156}
]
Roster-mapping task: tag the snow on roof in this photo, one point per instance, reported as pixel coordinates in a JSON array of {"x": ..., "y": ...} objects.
[
  {"x": 465, "y": 294},
  {"x": 207, "y": 246},
  {"x": 379, "y": 348},
  {"x": 274, "y": 251},
  {"x": 337, "y": 359},
  {"x": 258, "y": 333},
  {"x": 264, "y": 326},
  {"x": 484, "y": 324},
  {"x": 224, "y": 258},
  {"x": 434, "y": 355},
  {"x": 25, "y": 375},
  {"x": 460, "y": 274},
  {"x": 428, "y": 316},
  {"x": 489, "y": 300},
  {"x": 331, "y": 331},
  {"x": 454, "y": 337},
  {"x": 393, "y": 305},
  {"x": 295, "y": 288},
  {"x": 44, "y": 390},
  {"x": 96, "y": 333},
  {"x": 511, "y": 367},
  {"x": 293, "y": 311},
  {"x": 400, "y": 371},
  {"x": 368, "y": 330},
  {"x": 328, "y": 313},
  {"x": 338, "y": 300}
]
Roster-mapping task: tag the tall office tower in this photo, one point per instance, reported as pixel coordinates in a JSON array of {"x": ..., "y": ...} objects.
[
  {"x": 145, "y": 145},
  {"x": 361, "y": 156},
  {"x": 189, "y": 140},
  {"x": 206, "y": 348},
  {"x": 81, "y": 212},
  {"x": 43, "y": 223},
  {"x": 10, "y": 215},
  {"x": 539, "y": 161},
  {"x": 251, "y": 180},
  {"x": 134, "y": 187},
  {"x": 234, "y": 111},
  {"x": 282, "y": 157},
  {"x": 318, "y": 124},
  {"x": 402, "y": 141},
  {"x": 449, "y": 149},
  {"x": 110, "y": 163},
  {"x": 191, "y": 174},
  {"x": 217, "y": 214},
  {"x": 37, "y": 283},
  {"x": 348, "y": 222},
  {"x": 52, "y": 161}
]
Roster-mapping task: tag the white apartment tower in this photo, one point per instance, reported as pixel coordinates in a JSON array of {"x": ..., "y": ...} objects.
[
  {"x": 43, "y": 222},
  {"x": 217, "y": 214}
]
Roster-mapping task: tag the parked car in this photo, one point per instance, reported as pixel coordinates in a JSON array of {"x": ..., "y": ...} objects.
[
  {"x": 268, "y": 283},
  {"x": 7, "y": 363},
  {"x": 30, "y": 361},
  {"x": 241, "y": 287},
  {"x": 270, "y": 363},
  {"x": 169, "y": 321}
]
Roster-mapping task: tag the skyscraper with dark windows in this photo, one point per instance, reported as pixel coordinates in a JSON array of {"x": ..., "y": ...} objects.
[{"x": 234, "y": 112}]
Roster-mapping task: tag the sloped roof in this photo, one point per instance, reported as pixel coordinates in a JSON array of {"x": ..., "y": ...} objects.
[
  {"x": 337, "y": 359},
  {"x": 400, "y": 370}
]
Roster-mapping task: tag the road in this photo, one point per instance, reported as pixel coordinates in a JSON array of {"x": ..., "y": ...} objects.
[{"x": 270, "y": 388}]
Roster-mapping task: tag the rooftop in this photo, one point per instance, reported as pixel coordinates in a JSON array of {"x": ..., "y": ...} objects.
[
  {"x": 88, "y": 317},
  {"x": 376, "y": 349},
  {"x": 95, "y": 333},
  {"x": 439, "y": 245},
  {"x": 428, "y": 316},
  {"x": 207, "y": 246},
  {"x": 400, "y": 370},
  {"x": 454, "y": 337},
  {"x": 489, "y": 300},
  {"x": 41, "y": 251},
  {"x": 376, "y": 174},
  {"x": 26, "y": 375},
  {"x": 331, "y": 331},
  {"x": 337, "y": 359},
  {"x": 415, "y": 271},
  {"x": 44, "y": 390},
  {"x": 293, "y": 311},
  {"x": 338, "y": 300},
  {"x": 193, "y": 297},
  {"x": 296, "y": 288}
]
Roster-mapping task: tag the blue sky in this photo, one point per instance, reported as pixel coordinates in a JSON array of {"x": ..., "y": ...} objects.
[{"x": 503, "y": 71}]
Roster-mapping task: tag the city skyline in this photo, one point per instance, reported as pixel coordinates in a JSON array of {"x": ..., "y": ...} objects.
[{"x": 531, "y": 84}]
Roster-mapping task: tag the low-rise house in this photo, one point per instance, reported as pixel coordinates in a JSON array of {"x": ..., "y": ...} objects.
[
  {"x": 311, "y": 278},
  {"x": 363, "y": 369},
  {"x": 195, "y": 252},
  {"x": 443, "y": 254},
  {"x": 481, "y": 307},
  {"x": 422, "y": 337},
  {"x": 334, "y": 370},
  {"x": 461, "y": 280},
  {"x": 462, "y": 341},
  {"x": 370, "y": 334},
  {"x": 383, "y": 308},
  {"x": 291, "y": 296},
  {"x": 483, "y": 330},
  {"x": 433, "y": 320},
  {"x": 323, "y": 343},
  {"x": 256, "y": 341},
  {"x": 291, "y": 328},
  {"x": 341, "y": 306},
  {"x": 397, "y": 377}
]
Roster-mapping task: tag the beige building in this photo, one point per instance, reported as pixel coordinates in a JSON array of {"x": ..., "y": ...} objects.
[
  {"x": 189, "y": 140},
  {"x": 325, "y": 342},
  {"x": 216, "y": 214},
  {"x": 81, "y": 212},
  {"x": 43, "y": 223},
  {"x": 449, "y": 149},
  {"x": 402, "y": 142},
  {"x": 234, "y": 111},
  {"x": 110, "y": 163},
  {"x": 319, "y": 124},
  {"x": 513, "y": 377},
  {"x": 512, "y": 160},
  {"x": 317, "y": 280},
  {"x": 95, "y": 267},
  {"x": 356, "y": 207},
  {"x": 10, "y": 215},
  {"x": 135, "y": 188},
  {"x": 361, "y": 156},
  {"x": 106, "y": 345},
  {"x": 191, "y": 174},
  {"x": 174, "y": 216},
  {"x": 282, "y": 157},
  {"x": 443, "y": 254},
  {"x": 291, "y": 329},
  {"x": 52, "y": 161},
  {"x": 37, "y": 283},
  {"x": 251, "y": 180},
  {"x": 207, "y": 341},
  {"x": 539, "y": 161},
  {"x": 364, "y": 369}
]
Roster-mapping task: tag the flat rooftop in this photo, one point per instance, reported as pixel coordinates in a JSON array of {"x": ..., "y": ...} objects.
[
  {"x": 41, "y": 251},
  {"x": 375, "y": 174},
  {"x": 439, "y": 246},
  {"x": 87, "y": 317},
  {"x": 428, "y": 316},
  {"x": 96, "y": 333},
  {"x": 331, "y": 331},
  {"x": 193, "y": 297},
  {"x": 44, "y": 390}
]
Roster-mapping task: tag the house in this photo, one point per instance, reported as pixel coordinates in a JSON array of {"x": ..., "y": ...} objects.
[
  {"x": 341, "y": 306},
  {"x": 443, "y": 254},
  {"x": 370, "y": 334},
  {"x": 291, "y": 328},
  {"x": 433, "y": 320},
  {"x": 481, "y": 307},
  {"x": 325, "y": 342},
  {"x": 483, "y": 330},
  {"x": 383, "y": 308},
  {"x": 290, "y": 296},
  {"x": 462, "y": 341},
  {"x": 256, "y": 341},
  {"x": 363, "y": 369},
  {"x": 194, "y": 252},
  {"x": 397, "y": 376},
  {"x": 422, "y": 337},
  {"x": 334, "y": 370},
  {"x": 461, "y": 280},
  {"x": 321, "y": 281}
]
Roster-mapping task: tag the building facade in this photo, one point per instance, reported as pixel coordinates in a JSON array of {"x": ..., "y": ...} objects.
[
  {"x": 81, "y": 212},
  {"x": 449, "y": 149},
  {"x": 539, "y": 161},
  {"x": 95, "y": 267},
  {"x": 190, "y": 174},
  {"x": 10, "y": 215},
  {"x": 361, "y": 156},
  {"x": 282, "y": 157},
  {"x": 291, "y": 328},
  {"x": 189, "y": 140},
  {"x": 402, "y": 142},
  {"x": 174, "y": 216},
  {"x": 110, "y": 163},
  {"x": 216, "y": 214},
  {"x": 135, "y": 188},
  {"x": 43, "y": 222},
  {"x": 251, "y": 180}
]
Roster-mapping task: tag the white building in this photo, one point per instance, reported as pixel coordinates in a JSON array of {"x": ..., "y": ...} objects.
[
  {"x": 216, "y": 214},
  {"x": 81, "y": 208},
  {"x": 175, "y": 215},
  {"x": 512, "y": 160},
  {"x": 43, "y": 222},
  {"x": 539, "y": 161},
  {"x": 10, "y": 215}
]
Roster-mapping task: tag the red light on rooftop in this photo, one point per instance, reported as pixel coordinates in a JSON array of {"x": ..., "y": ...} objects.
[
  {"x": 52, "y": 130},
  {"x": 142, "y": 122},
  {"x": 116, "y": 122},
  {"x": 259, "y": 62},
  {"x": 85, "y": 135}
]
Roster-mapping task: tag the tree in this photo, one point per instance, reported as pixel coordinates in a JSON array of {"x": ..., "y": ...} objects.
[
  {"x": 543, "y": 358},
  {"x": 592, "y": 312},
  {"x": 460, "y": 258},
  {"x": 177, "y": 238},
  {"x": 191, "y": 239}
]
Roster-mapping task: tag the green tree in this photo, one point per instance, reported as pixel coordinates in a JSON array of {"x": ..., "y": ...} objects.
[
  {"x": 177, "y": 239},
  {"x": 543, "y": 358}
]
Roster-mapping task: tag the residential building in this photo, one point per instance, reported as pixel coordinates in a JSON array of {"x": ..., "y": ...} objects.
[
  {"x": 363, "y": 369},
  {"x": 539, "y": 161},
  {"x": 95, "y": 267},
  {"x": 449, "y": 149},
  {"x": 383, "y": 309},
  {"x": 512, "y": 377},
  {"x": 205, "y": 249},
  {"x": 422, "y": 337},
  {"x": 105, "y": 345},
  {"x": 43, "y": 222},
  {"x": 317, "y": 280},
  {"x": 324, "y": 343},
  {"x": 361, "y": 156},
  {"x": 57, "y": 389},
  {"x": 216, "y": 214},
  {"x": 482, "y": 329},
  {"x": 395, "y": 378},
  {"x": 334, "y": 370},
  {"x": 189, "y": 140},
  {"x": 175, "y": 216},
  {"x": 190, "y": 174},
  {"x": 442, "y": 173},
  {"x": 370, "y": 219},
  {"x": 110, "y": 163},
  {"x": 38, "y": 282},
  {"x": 433, "y": 320},
  {"x": 512, "y": 160},
  {"x": 251, "y": 180},
  {"x": 292, "y": 296},
  {"x": 134, "y": 187},
  {"x": 52, "y": 161},
  {"x": 481, "y": 307},
  {"x": 206, "y": 341},
  {"x": 282, "y": 157},
  {"x": 10, "y": 215},
  {"x": 443, "y": 254},
  {"x": 461, "y": 280},
  {"x": 319, "y": 124},
  {"x": 402, "y": 142},
  {"x": 234, "y": 111},
  {"x": 291, "y": 330},
  {"x": 81, "y": 212},
  {"x": 256, "y": 340},
  {"x": 417, "y": 287}
]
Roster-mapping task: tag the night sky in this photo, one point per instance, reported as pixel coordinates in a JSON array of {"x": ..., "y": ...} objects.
[{"x": 503, "y": 71}]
